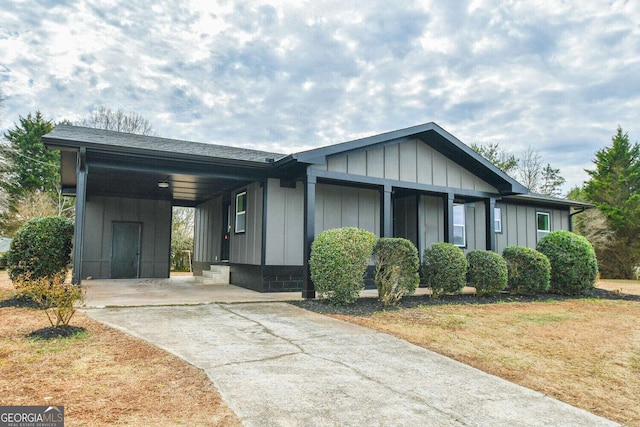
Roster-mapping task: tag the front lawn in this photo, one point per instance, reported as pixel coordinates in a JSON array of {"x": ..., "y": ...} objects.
[
  {"x": 583, "y": 351},
  {"x": 100, "y": 375}
]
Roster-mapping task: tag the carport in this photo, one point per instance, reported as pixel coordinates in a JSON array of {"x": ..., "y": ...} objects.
[{"x": 125, "y": 186}]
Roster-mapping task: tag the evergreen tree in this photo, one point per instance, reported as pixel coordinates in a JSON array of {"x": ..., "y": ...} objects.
[
  {"x": 614, "y": 188},
  {"x": 27, "y": 165}
]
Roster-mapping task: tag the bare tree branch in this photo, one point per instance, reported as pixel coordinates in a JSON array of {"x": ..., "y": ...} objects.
[{"x": 105, "y": 118}]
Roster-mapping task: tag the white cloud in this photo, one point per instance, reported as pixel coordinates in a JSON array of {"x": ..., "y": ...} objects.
[{"x": 291, "y": 75}]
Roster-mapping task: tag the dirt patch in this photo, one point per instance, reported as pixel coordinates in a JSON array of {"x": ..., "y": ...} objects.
[
  {"x": 100, "y": 375},
  {"x": 583, "y": 351}
]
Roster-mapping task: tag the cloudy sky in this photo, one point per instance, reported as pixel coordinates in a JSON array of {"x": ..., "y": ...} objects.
[{"x": 558, "y": 76}]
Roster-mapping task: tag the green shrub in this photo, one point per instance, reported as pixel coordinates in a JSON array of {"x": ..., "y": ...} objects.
[
  {"x": 487, "y": 272},
  {"x": 574, "y": 267},
  {"x": 529, "y": 270},
  {"x": 397, "y": 266},
  {"x": 444, "y": 268},
  {"x": 338, "y": 262},
  {"x": 40, "y": 248}
]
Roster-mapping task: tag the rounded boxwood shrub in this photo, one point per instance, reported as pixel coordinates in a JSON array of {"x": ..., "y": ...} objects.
[
  {"x": 444, "y": 268},
  {"x": 529, "y": 271},
  {"x": 338, "y": 262},
  {"x": 41, "y": 248},
  {"x": 487, "y": 272},
  {"x": 574, "y": 267},
  {"x": 397, "y": 266}
]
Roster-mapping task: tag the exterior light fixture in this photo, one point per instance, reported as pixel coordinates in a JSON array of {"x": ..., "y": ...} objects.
[{"x": 163, "y": 184}]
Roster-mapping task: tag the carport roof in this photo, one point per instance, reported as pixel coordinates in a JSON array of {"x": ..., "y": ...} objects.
[
  {"x": 129, "y": 165},
  {"x": 73, "y": 136}
]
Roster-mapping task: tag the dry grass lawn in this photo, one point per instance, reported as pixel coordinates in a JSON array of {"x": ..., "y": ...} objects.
[
  {"x": 585, "y": 352},
  {"x": 101, "y": 376}
]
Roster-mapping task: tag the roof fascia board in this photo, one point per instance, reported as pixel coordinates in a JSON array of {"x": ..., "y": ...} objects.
[
  {"x": 544, "y": 202},
  {"x": 241, "y": 175},
  {"x": 311, "y": 156}
]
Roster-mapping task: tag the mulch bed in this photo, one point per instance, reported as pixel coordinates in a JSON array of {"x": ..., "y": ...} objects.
[
  {"x": 53, "y": 332},
  {"x": 368, "y": 306}
]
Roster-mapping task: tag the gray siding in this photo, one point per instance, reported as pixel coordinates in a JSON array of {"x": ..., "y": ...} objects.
[
  {"x": 208, "y": 232},
  {"x": 475, "y": 226},
  {"x": 285, "y": 224},
  {"x": 405, "y": 224},
  {"x": 246, "y": 248},
  {"x": 431, "y": 221},
  {"x": 339, "y": 206},
  {"x": 519, "y": 225},
  {"x": 155, "y": 217},
  {"x": 410, "y": 161}
]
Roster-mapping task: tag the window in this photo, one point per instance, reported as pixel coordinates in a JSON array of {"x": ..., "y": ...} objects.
[
  {"x": 459, "y": 232},
  {"x": 542, "y": 221},
  {"x": 497, "y": 220},
  {"x": 241, "y": 212}
]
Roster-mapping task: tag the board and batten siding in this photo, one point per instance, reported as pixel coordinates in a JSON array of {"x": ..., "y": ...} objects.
[
  {"x": 285, "y": 224},
  {"x": 155, "y": 247},
  {"x": 339, "y": 206},
  {"x": 519, "y": 224},
  {"x": 208, "y": 231},
  {"x": 246, "y": 247},
  {"x": 409, "y": 161},
  {"x": 405, "y": 215}
]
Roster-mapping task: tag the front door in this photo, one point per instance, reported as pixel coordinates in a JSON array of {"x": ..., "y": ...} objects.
[{"x": 125, "y": 250}]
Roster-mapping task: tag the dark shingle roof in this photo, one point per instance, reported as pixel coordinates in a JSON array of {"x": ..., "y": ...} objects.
[{"x": 103, "y": 139}]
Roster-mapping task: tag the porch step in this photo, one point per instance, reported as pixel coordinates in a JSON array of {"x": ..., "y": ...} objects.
[{"x": 216, "y": 275}]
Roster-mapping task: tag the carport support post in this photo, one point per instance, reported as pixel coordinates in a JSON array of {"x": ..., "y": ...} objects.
[
  {"x": 387, "y": 212},
  {"x": 81, "y": 199},
  {"x": 490, "y": 226},
  {"x": 309, "y": 290},
  {"x": 448, "y": 217}
]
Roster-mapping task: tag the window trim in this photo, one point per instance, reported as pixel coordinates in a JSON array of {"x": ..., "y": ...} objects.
[
  {"x": 497, "y": 218},
  {"x": 540, "y": 233},
  {"x": 463, "y": 225},
  {"x": 242, "y": 213}
]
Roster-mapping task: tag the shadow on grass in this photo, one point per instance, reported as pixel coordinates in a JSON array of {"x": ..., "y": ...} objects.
[
  {"x": 368, "y": 306},
  {"x": 19, "y": 302},
  {"x": 52, "y": 332}
]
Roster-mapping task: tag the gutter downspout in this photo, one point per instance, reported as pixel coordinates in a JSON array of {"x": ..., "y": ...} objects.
[{"x": 572, "y": 214}]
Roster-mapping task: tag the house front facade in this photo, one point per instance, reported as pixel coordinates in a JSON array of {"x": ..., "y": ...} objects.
[{"x": 259, "y": 212}]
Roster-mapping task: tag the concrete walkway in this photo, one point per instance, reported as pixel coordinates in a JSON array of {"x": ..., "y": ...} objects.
[
  {"x": 277, "y": 365},
  {"x": 179, "y": 290}
]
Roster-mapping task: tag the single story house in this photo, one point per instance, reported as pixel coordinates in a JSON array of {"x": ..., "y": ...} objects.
[{"x": 259, "y": 212}]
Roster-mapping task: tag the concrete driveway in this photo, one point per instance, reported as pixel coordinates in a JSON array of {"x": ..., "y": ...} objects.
[{"x": 278, "y": 365}]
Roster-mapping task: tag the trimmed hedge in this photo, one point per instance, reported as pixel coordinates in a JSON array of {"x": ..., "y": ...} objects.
[
  {"x": 529, "y": 270},
  {"x": 444, "y": 268},
  {"x": 338, "y": 262},
  {"x": 397, "y": 266},
  {"x": 574, "y": 267},
  {"x": 487, "y": 272},
  {"x": 41, "y": 248}
]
